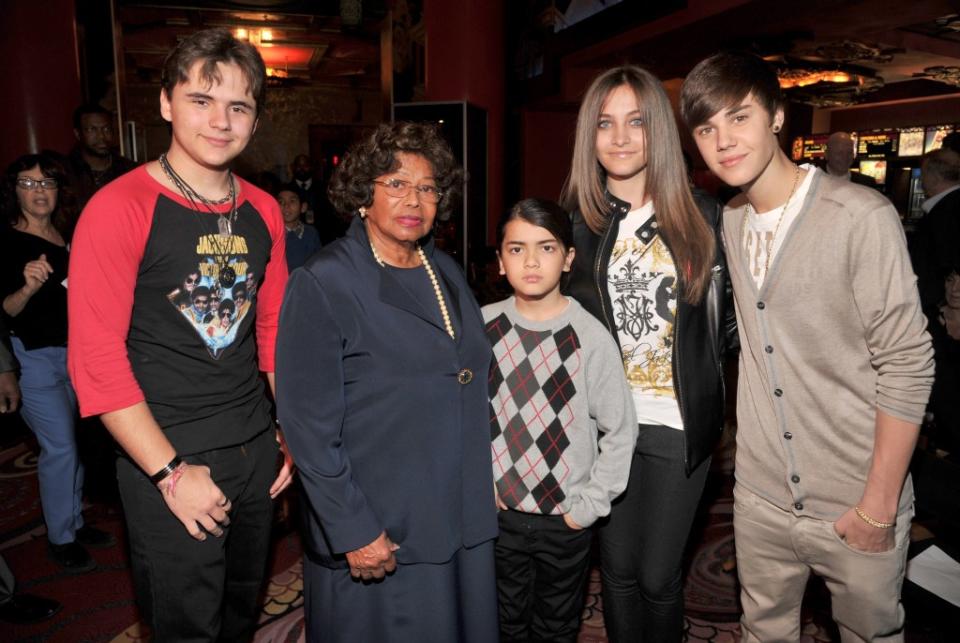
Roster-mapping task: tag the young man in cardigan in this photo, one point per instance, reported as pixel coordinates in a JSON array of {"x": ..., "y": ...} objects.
[
  {"x": 187, "y": 404},
  {"x": 835, "y": 367}
]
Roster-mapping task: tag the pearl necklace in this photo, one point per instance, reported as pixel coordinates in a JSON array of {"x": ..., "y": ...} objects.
[
  {"x": 433, "y": 281},
  {"x": 776, "y": 230}
]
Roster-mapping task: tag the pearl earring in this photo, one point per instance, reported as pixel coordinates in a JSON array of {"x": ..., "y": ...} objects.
[{"x": 363, "y": 213}]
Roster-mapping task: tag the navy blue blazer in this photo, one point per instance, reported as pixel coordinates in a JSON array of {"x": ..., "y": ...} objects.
[{"x": 372, "y": 399}]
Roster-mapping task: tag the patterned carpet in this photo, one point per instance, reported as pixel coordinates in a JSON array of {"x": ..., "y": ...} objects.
[{"x": 99, "y": 606}]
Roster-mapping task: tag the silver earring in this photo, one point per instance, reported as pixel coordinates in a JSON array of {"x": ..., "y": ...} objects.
[{"x": 363, "y": 213}]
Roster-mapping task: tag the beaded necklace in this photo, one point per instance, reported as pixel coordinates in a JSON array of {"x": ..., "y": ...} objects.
[{"x": 433, "y": 281}]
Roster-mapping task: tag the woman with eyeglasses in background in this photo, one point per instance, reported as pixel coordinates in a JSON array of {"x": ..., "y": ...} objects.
[{"x": 33, "y": 269}]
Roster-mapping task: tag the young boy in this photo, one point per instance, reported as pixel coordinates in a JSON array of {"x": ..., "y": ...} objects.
[
  {"x": 302, "y": 240},
  {"x": 562, "y": 423},
  {"x": 199, "y": 462},
  {"x": 835, "y": 367}
]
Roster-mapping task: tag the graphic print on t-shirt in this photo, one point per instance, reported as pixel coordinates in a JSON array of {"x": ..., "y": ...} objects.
[
  {"x": 216, "y": 297},
  {"x": 643, "y": 291}
]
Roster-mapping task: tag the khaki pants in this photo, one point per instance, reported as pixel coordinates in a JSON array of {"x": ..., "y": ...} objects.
[{"x": 776, "y": 551}]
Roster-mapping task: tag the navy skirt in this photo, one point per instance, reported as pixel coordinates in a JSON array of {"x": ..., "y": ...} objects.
[{"x": 452, "y": 602}]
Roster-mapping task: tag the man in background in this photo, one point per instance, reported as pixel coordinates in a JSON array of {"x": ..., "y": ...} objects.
[
  {"x": 936, "y": 243},
  {"x": 93, "y": 162},
  {"x": 310, "y": 192},
  {"x": 318, "y": 212},
  {"x": 840, "y": 156}
]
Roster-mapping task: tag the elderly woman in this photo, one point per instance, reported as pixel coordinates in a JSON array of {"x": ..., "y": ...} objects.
[
  {"x": 33, "y": 290},
  {"x": 382, "y": 371}
]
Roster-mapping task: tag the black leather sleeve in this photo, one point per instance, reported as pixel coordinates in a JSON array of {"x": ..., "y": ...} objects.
[
  {"x": 729, "y": 340},
  {"x": 730, "y": 337}
]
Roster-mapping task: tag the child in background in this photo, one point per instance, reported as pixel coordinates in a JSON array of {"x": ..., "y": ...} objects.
[
  {"x": 302, "y": 240},
  {"x": 557, "y": 383}
]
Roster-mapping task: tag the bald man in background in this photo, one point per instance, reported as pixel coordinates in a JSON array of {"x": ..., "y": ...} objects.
[
  {"x": 936, "y": 242},
  {"x": 839, "y": 157}
]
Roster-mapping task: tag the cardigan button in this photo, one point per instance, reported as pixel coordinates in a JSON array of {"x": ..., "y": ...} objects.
[
  {"x": 465, "y": 376},
  {"x": 769, "y": 349},
  {"x": 778, "y": 392},
  {"x": 788, "y": 436},
  {"x": 795, "y": 478},
  {"x": 761, "y": 305},
  {"x": 798, "y": 506}
]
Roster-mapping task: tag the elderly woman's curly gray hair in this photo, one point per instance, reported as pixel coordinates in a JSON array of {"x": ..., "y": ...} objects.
[{"x": 351, "y": 186}]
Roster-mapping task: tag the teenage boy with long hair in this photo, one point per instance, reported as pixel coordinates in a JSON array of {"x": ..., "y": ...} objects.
[
  {"x": 198, "y": 466},
  {"x": 835, "y": 367}
]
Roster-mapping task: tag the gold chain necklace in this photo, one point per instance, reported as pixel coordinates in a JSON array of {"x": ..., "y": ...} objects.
[
  {"x": 433, "y": 281},
  {"x": 746, "y": 217}
]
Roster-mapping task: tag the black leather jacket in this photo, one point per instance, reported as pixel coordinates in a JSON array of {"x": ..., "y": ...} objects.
[{"x": 703, "y": 334}]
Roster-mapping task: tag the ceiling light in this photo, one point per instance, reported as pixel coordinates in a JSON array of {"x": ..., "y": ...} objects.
[{"x": 804, "y": 77}]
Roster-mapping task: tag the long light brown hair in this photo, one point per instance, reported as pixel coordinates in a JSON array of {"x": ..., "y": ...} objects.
[{"x": 679, "y": 219}]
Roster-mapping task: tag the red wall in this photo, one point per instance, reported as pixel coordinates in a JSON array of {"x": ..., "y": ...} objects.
[
  {"x": 465, "y": 61},
  {"x": 41, "y": 77},
  {"x": 547, "y": 150}
]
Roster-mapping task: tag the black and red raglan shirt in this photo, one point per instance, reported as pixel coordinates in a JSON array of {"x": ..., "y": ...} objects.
[{"x": 166, "y": 310}]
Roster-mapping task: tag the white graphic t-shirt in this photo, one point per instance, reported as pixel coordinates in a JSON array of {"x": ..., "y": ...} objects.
[
  {"x": 758, "y": 238},
  {"x": 642, "y": 282}
]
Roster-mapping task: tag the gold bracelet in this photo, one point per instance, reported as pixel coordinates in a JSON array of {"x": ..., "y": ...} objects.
[{"x": 872, "y": 522}]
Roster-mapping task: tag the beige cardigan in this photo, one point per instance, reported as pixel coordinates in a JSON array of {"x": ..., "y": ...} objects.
[{"x": 834, "y": 333}]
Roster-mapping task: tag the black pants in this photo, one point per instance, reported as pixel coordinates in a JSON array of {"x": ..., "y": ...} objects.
[
  {"x": 188, "y": 590},
  {"x": 542, "y": 569},
  {"x": 642, "y": 542},
  {"x": 943, "y": 397}
]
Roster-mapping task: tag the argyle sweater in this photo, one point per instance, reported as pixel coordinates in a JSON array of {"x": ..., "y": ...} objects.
[{"x": 562, "y": 421}]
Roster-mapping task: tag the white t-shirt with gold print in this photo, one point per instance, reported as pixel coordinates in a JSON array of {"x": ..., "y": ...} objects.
[{"x": 642, "y": 283}]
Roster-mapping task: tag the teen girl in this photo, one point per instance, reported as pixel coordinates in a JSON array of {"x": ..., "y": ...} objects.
[
  {"x": 650, "y": 266},
  {"x": 556, "y": 386}
]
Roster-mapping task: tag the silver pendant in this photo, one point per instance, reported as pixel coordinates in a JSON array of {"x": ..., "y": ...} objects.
[{"x": 224, "y": 225}]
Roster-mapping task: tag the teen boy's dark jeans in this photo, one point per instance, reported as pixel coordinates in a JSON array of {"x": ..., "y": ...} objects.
[{"x": 188, "y": 590}]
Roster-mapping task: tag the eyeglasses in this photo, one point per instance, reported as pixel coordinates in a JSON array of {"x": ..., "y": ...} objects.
[
  {"x": 399, "y": 189},
  {"x": 29, "y": 184}
]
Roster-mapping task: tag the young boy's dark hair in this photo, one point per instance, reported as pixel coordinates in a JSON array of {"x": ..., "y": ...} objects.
[
  {"x": 289, "y": 187},
  {"x": 543, "y": 214},
  {"x": 213, "y": 46},
  {"x": 724, "y": 80}
]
